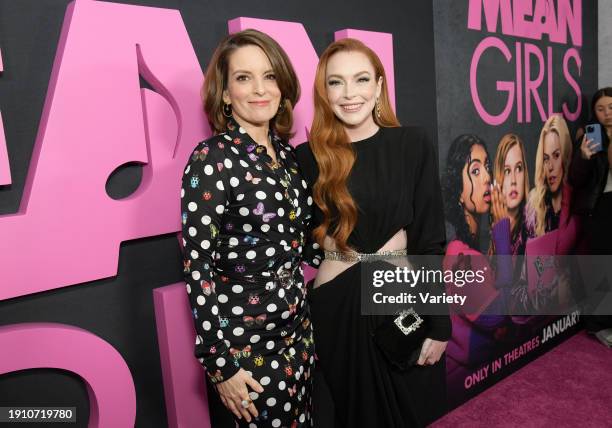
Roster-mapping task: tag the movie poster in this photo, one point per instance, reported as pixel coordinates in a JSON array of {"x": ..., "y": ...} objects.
[{"x": 509, "y": 73}]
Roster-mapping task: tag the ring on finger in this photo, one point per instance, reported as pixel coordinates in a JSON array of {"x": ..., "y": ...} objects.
[{"x": 245, "y": 403}]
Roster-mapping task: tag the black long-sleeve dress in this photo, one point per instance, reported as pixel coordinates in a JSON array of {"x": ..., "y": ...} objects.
[
  {"x": 244, "y": 224},
  {"x": 395, "y": 184},
  {"x": 590, "y": 180}
]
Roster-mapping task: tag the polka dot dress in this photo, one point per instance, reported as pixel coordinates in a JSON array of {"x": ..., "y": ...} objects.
[{"x": 245, "y": 223}]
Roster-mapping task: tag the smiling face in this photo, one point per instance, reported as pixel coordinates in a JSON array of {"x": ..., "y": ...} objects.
[
  {"x": 352, "y": 90},
  {"x": 603, "y": 111},
  {"x": 553, "y": 163},
  {"x": 251, "y": 90},
  {"x": 513, "y": 186},
  {"x": 476, "y": 192}
]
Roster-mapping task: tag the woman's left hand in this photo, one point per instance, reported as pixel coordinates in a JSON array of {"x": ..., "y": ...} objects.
[
  {"x": 431, "y": 352},
  {"x": 499, "y": 209}
]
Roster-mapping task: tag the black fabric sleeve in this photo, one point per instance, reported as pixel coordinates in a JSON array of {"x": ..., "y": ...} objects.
[
  {"x": 426, "y": 233},
  {"x": 204, "y": 196},
  {"x": 581, "y": 170},
  {"x": 312, "y": 253}
]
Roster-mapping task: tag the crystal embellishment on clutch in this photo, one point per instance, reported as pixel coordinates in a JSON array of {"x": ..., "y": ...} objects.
[{"x": 408, "y": 321}]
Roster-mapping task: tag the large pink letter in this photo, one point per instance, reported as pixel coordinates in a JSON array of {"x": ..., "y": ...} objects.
[
  {"x": 5, "y": 171},
  {"x": 112, "y": 397},
  {"x": 532, "y": 86},
  {"x": 492, "y": 10},
  {"x": 95, "y": 119},
  {"x": 569, "y": 18},
  {"x": 491, "y": 119},
  {"x": 184, "y": 383},
  {"x": 572, "y": 53}
]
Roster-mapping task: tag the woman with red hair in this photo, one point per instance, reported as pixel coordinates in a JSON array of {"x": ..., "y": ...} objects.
[{"x": 376, "y": 190}]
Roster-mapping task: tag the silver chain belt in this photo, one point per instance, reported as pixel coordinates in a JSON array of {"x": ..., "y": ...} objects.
[{"x": 354, "y": 256}]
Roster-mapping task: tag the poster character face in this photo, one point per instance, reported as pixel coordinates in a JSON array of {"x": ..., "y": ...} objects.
[
  {"x": 352, "y": 89},
  {"x": 251, "y": 90},
  {"x": 513, "y": 186},
  {"x": 476, "y": 190},
  {"x": 553, "y": 163}
]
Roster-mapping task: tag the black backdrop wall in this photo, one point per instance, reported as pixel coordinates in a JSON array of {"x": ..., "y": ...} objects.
[{"x": 120, "y": 309}]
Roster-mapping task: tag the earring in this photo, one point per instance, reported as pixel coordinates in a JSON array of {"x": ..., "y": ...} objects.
[
  {"x": 281, "y": 106},
  {"x": 378, "y": 108},
  {"x": 227, "y": 110}
]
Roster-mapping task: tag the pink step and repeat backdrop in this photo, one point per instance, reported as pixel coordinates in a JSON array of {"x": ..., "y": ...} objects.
[{"x": 99, "y": 111}]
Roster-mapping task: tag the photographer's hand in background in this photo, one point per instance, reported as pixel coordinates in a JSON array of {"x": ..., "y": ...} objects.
[{"x": 587, "y": 148}]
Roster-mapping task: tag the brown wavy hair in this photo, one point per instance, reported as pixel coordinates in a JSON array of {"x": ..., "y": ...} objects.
[
  {"x": 333, "y": 149},
  {"x": 216, "y": 80}
]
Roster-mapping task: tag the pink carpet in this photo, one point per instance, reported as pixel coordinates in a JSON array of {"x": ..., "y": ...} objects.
[{"x": 570, "y": 386}]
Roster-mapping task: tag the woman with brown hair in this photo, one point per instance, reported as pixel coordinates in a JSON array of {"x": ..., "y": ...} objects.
[
  {"x": 246, "y": 210},
  {"x": 376, "y": 190}
]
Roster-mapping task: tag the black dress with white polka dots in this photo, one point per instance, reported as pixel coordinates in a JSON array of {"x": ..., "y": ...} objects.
[{"x": 245, "y": 221}]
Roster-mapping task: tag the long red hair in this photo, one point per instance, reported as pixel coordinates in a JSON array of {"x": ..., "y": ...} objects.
[{"x": 333, "y": 149}]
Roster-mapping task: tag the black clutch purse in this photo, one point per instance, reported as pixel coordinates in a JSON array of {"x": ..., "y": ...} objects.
[{"x": 400, "y": 339}]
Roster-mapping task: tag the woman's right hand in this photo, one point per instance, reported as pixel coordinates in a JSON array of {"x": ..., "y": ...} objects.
[
  {"x": 586, "y": 148},
  {"x": 234, "y": 390},
  {"x": 431, "y": 352}
]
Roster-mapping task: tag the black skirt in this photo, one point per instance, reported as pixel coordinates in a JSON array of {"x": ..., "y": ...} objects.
[
  {"x": 600, "y": 225},
  {"x": 366, "y": 389},
  {"x": 599, "y": 229}
]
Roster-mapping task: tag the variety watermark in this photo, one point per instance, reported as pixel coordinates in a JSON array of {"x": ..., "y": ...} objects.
[{"x": 477, "y": 285}]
